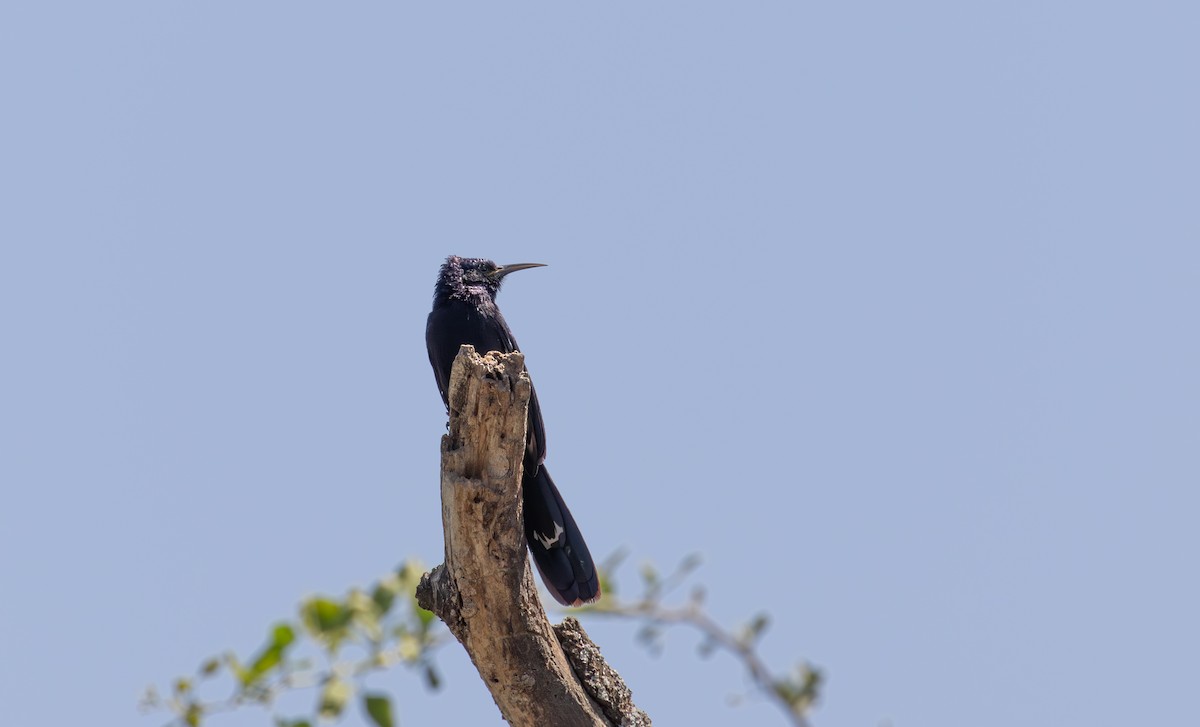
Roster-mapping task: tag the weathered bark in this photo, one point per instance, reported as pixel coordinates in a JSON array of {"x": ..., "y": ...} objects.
[{"x": 484, "y": 592}]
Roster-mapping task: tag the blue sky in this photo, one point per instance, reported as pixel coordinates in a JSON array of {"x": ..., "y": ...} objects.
[{"x": 887, "y": 310}]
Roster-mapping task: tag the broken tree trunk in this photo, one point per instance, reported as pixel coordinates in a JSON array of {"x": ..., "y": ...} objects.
[{"x": 484, "y": 591}]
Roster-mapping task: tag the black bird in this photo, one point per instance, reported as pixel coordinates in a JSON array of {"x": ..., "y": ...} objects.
[{"x": 464, "y": 311}]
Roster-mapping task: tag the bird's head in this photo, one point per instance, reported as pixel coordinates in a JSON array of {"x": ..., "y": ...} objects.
[{"x": 472, "y": 276}]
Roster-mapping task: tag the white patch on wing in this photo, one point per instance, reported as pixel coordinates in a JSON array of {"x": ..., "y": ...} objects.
[{"x": 547, "y": 542}]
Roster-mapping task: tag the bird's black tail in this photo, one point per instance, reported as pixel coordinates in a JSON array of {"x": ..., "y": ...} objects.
[{"x": 554, "y": 539}]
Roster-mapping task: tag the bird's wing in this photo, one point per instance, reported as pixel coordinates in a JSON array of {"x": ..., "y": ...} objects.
[
  {"x": 449, "y": 327},
  {"x": 537, "y": 431}
]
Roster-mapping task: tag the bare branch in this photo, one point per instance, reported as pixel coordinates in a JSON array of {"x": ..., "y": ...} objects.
[{"x": 793, "y": 694}]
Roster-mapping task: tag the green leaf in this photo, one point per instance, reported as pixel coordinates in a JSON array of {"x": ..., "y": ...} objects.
[
  {"x": 432, "y": 679},
  {"x": 271, "y": 656},
  {"x": 690, "y": 563},
  {"x": 408, "y": 647},
  {"x": 800, "y": 690},
  {"x": 752, "y": 631},
  {"x": 324, "y": 615},
  {"x": 238, "y": 669},
  {"x": 193, "y": 714},
  {"x": 283, "y": 635},
  {"x": 409, "y": 574},
  {"x": 384, "y": 595},
  {"x": 268, "y": 659},
  {"x": 358, "y": 601},
  {"x": 364, "y": 613},
  {"x": 210, "y": 667},
  {"x": 379, "y": 708},
  {"x": 334, "y": 697},
  {"x": 651, "y": 637},
  {"x": 759, "y": 624},
  {"x": 649, "y": 574},
  {"x": 426, "y": 618},
  {"x": 608, "y": 585}
]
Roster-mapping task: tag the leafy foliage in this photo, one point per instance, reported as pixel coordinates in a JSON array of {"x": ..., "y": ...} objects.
[
  {"x": 363, "y": 632},
  {"x": 381, "y": 627}
]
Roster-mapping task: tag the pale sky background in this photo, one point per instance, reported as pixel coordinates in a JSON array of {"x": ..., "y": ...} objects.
[{"x": 886, "y": 309}]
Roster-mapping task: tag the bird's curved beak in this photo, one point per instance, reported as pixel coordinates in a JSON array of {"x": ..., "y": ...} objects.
[{"x": 506, "y": 269}]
